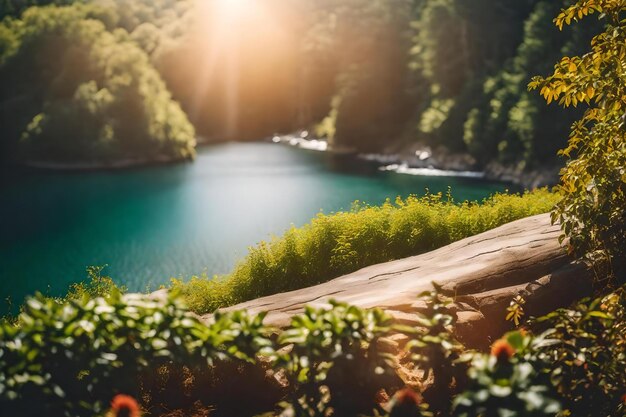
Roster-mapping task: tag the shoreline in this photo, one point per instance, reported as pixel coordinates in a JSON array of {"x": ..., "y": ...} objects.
[
  {"x": 419, "y": 159},
  {"x": 123, "y": 164},
  {"x": 415, "y": 159}
]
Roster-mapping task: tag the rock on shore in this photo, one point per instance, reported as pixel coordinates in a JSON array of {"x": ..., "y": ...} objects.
[{"x": 482, "y": 273}]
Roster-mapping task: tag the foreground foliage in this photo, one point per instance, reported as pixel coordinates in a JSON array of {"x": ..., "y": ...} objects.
[
  {"x": 71, "y": 358},
  {"x": 336, "y": 244}
]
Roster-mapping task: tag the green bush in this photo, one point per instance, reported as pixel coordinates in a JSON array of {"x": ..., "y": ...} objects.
[
  {"x": 576, "y": 365},
  {"x": 334, "y": 362},
  {"x": 587, "y": 362},
  {"x": 340, "y": 243},
  {"x": 508, "y": 383},
  {"x": 96, "y": 285},
  {"x": 70, "y": 358},
  {"x": 593, "y": 183}
]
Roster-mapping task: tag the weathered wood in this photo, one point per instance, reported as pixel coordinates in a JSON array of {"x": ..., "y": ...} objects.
[{"x": 483, "y": 273}]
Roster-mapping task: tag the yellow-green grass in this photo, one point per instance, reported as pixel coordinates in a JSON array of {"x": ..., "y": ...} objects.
[{"x": 335, "y": 244}]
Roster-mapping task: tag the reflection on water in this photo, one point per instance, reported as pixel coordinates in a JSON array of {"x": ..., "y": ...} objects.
[{"x": 152, "y": 224}]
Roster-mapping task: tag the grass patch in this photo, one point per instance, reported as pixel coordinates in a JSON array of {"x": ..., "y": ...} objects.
[{"x": 336, "y": 244}]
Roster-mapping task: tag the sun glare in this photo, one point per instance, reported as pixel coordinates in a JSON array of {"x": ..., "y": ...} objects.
[
  {"x": 235, "y": 10},
  {"x": 232, "y": 28}
]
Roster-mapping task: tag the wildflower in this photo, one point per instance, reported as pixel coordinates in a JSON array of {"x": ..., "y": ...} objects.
[
  {"x": 405, "y": 403},
  {"x": 502, "y": 350},
  {"x": 624, "y": 398},
  {"x": 124, "y": 406}
]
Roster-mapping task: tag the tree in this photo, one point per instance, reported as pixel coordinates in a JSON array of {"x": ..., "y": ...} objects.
[
  {"x": 592, "y": 211},
  {"x": 73, "y": 91}
]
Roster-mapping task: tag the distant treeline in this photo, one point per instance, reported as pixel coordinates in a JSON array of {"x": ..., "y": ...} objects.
[{"x": 108, "y": 79}]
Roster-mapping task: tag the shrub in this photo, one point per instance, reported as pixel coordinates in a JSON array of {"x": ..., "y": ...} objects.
[
  {"x": 340, "y": 243},
  {"x": 334, "y": 362},
  {"x": 587, "y": 360},
  {"x": 96, "y": 285},
  {"x": 575, "y": 365},
  {"x": 507, "y": 383},
  {"x": 70, "y": 358},
  {"x": 593, "y": 187}
]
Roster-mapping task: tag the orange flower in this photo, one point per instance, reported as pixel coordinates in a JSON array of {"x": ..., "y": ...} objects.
[
  {"x": 502, "y": 350},
  {"x": 405, "y": 403},
  {"x": 407, "y": 396},
  {"x": 624, "y": 398},
  {"x": 124, "y": 406}
]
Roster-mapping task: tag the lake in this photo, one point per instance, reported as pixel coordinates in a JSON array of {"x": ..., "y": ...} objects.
[{"x": 154, "y": 223}]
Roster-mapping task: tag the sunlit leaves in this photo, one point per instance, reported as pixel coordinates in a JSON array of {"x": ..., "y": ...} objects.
[
  {"x": 587, "y": 357},
  {"x": 578, "y": 11},
  {"x": 336, "y": 244},
  {"x": 591, "y": 212},
  {"x": 515, "y": 310}
]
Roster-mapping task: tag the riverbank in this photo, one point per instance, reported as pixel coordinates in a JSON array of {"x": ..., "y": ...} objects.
[
  {"x": 420, "y": 159},
  {"x": 127, "y": 163},
  {"x": 413, "y": 159}
]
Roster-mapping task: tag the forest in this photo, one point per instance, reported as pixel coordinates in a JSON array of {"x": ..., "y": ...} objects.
[{"x": 369, "y": 76}]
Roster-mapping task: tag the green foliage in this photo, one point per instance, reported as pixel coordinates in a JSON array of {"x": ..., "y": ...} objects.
[
  {"x": 508, "y": 122},
  {"x": 367, "y": 42},
  {"x": 70, "y": 358},
  {"x": 14, "y": 8},
  {"x": 500, "y": 385},
  {"x": 73, "y": 91},
  {"x": 591, "y": 212},
  {"x": 435, "y": 350},
  {"x": 369, "y": 73},
  {"x": 336, "y": 244},
  {"x": 96, "y": 285},
  {"x": 471, "y": 79},
  {"x": 334, "y": 361},
  {"x": 575, "y": 365},
  {"x": 587, "y": 358},
  {"x": 85, "y": 350}
]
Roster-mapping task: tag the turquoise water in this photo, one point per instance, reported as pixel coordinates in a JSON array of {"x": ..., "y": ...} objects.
[{"x": 175, "y": 221}]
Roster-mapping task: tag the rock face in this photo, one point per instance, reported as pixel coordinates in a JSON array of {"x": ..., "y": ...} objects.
[{"x": 483, "y": 273}]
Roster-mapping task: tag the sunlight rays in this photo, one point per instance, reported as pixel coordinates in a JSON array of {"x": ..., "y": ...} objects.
[{"x": 224, "y": 22}]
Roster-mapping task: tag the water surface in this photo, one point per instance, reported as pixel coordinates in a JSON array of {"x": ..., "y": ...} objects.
[{"x": 175, "y": 221}]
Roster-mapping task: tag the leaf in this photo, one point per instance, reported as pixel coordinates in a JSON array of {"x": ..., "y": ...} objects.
[{"x": 599, "y": 314}]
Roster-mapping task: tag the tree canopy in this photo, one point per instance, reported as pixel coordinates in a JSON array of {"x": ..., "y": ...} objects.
[
  {"x": 72, "y": 90},
  {"x": 367, "y": 74}
]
